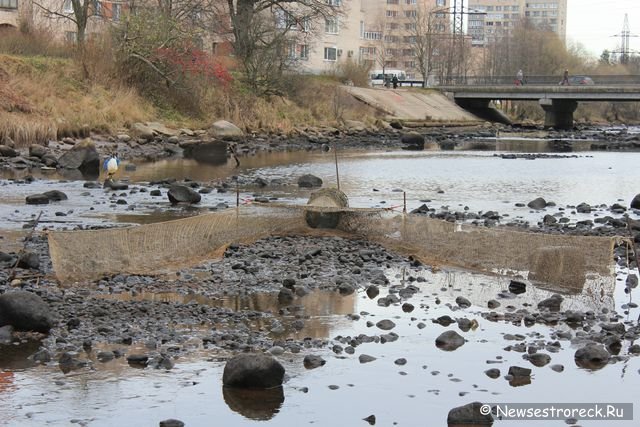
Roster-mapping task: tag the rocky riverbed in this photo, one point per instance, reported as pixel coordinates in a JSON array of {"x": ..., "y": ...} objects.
[{"x": 351, "y": 321}]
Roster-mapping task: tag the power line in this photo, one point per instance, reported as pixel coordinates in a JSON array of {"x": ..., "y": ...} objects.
[{"x": 625, "y": 36}]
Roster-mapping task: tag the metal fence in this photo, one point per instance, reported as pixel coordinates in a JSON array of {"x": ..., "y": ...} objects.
[{"x": 598, "y": 79}]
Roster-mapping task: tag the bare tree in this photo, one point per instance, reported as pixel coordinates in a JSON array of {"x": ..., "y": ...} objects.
[
  {"x": 265, "y": 30},
  {"x": 427, "y": 29},
  {"x": 78, "y": 13}
]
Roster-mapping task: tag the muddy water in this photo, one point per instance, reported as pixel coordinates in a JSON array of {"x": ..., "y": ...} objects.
[{"x": 418, "y": 393}]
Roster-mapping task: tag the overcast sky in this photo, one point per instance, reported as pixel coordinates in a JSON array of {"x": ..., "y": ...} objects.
[{"x": 593, "y": 22}]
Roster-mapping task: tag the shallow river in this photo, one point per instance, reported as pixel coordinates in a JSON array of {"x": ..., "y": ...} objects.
[{"x": 418, "y": 393}]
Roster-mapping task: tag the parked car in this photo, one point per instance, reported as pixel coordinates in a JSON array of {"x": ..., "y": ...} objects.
[{"x": 580, "y": 80}]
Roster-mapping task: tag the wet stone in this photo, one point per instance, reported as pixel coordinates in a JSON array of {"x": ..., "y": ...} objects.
[
  {"x": 449, "y": 341},
  {"x": 365, "y": 358},
  {"x": 313, "y": 361},
  {"x": 386, "y": 325},
  {"x": 492, "y": 373}
]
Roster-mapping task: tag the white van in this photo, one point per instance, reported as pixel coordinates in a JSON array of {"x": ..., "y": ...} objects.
[{"x": 377, "y": 78}]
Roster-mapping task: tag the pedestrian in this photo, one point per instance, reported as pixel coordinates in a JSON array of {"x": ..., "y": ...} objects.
[
  {"x": 394, "y": 80},
  {"x": 519, "y": 78},
  {"x": 565, "y": 78}
]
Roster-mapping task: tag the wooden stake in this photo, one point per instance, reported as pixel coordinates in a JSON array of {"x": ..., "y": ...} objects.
[
  {"x": 404, "y": 210},
  {"x": 12, "y": 274},
  {"x": 335, "y": 153}
]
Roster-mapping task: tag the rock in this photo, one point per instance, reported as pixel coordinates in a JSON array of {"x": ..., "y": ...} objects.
[
  {"x": 492, "y": 373},
  {"x": 346, "y": 289},
  {"x": 365, "y": 358},
  {"x": 386, "y": 325},
  {"x": 516, "y": 287},
  {"x": 109, "y": 183},
  {"x": 82, "y": 156},
  {"x": 37, "y": 150},
  {"x": 29, "y": 260},
  {"x": 171, "y": 423},
  {"x": 37, "y": 199},
  {"x": 539, "y": 359},
  {"x": 123, "y": 137},
  {"x": 371, "y": 419},
  {"x": 105, "y": 356},
  {"x": 583, "y": 208},
  {"x": 557, "y": 368},
  {"x": 592, "y": 356},
  {"x": 517, "y": 371},
  {"x": 225, "y": 130},
  {"x": 253, "y": 370},
  {"x": 635, "y": 203},
  {"x": 142, "y": 131},
  {"x": 444, "y": 320},
  {"x": 372, "y": 291},
  {"x": 6, "y": 151},
  {"x": 492, "y": 304},
  {"x": 413, "y": 141},
  {"x": 161, "y": 129},
  {"x": 355, "y": 125},
  {"x": 155, "y": 193},
  {"x": 449, "y": 341},
  {"x": 285, "y": 296},
  {"x": 311, "y": 361},
  {"x": 549, "y": 220},
  {"x": 552, "y": 303},
  {"x": 463, "y": 302},
  {"x": 55, "y": 195},
  {"x": 395, "y": 124},
  {"x": 469, "y": 414},
  {"x": 538, "y": 203},
  {"x": 25, "y": 311},
  {"x": 309, "y": 181},
  {"x": 182, "y": 194},
  {"x": 137, "y": 360}
]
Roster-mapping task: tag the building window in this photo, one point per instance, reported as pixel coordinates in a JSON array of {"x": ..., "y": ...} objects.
[
  {"x": 410, "y": 1},
  {"x": 330, "y": 54},
  {"x": 9, "y": 4},
  {"x": 441, "y": 2},
  {"x": 67, "y": 6},
  {"x": 410, "y": 13},
  {"x": 116, "y": 9},
  {"x": 98, "y": 8},
  {"x": 392, "y": 13},
  {"x": 304, "y": 51},
  {"x": 333, "y": 2},
  {"x": 361, "y": 29},
  {"x": 331, "y": 26},
  {"x": 393, "y": 1}
]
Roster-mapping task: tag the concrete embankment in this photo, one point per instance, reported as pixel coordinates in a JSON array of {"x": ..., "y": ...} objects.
[{"x": 413, "y": 104}]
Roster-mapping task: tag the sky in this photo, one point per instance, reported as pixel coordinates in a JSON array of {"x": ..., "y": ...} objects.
[{"x": 593, "y": 23}]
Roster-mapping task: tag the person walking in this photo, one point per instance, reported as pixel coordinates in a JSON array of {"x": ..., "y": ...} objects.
[
  {"x": 394, "y": 80},
  {"x": 519, "y": 78},
  {"x": 565, "y": 78}
]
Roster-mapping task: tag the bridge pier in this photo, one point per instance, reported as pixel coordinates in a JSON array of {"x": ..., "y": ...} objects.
[
  {"x": 558, "y": 112},
  {"x": 483, "y": 109}
]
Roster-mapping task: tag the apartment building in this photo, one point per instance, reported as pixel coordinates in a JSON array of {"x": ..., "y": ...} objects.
[
  {"x": 378, "y": 33},
  {"x": 499, "y": 17},
  {"x": 10, "y": 12}
]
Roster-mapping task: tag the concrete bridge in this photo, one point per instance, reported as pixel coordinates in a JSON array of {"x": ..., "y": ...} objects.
[{"x": 558, "y": 102}]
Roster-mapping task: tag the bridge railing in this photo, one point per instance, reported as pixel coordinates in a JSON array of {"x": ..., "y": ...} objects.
[{"x": 598, "y": 79}]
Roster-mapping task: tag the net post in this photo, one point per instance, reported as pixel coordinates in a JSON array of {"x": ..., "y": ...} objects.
[{"x": 404, "y": 209}]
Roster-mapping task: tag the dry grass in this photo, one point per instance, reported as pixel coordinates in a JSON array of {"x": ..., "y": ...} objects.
[{"x": 56, "y": 101}]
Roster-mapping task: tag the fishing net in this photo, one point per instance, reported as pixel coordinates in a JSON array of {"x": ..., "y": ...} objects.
[{"x": 561, "y": 260}]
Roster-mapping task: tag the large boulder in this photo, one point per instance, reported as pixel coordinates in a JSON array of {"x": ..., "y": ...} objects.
[
  {"x": 253, "y": 370},
  {"x": 449, "y": 341},
  {"x": 25, "y": 311},
  {"x": 37, "y": 199},
  {"x": 413, "y": 141},
  {"x": 635, "y": 203},
  {"x": 162, "y": 129},
  {"x": 143, "y": 131},
  {"x": 55, "y": 195},
  {"x": 538, "y": 203},
  {"x": 37, "y": 150},
  {"x": 82, "y": 156},
  {"x": 209, "y": 152},
  {"x": 309, "y": 181},
  {"x": 470, "y": 414},
  {"x": 6, "y": 151},
  {"x": 182, "y": 194},
  {"x": 225, "y": 130},
  {"x": 592, "y": 356},
  {"x": 325, "y": 198}
]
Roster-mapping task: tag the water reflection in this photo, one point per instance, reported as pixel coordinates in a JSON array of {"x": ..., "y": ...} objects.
[
  {"x": 320, "y": 308},
  {"x": 254, "y": 404},
  {"x": 13, "y": 357},
  {"x": 209, "y": 153}
]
